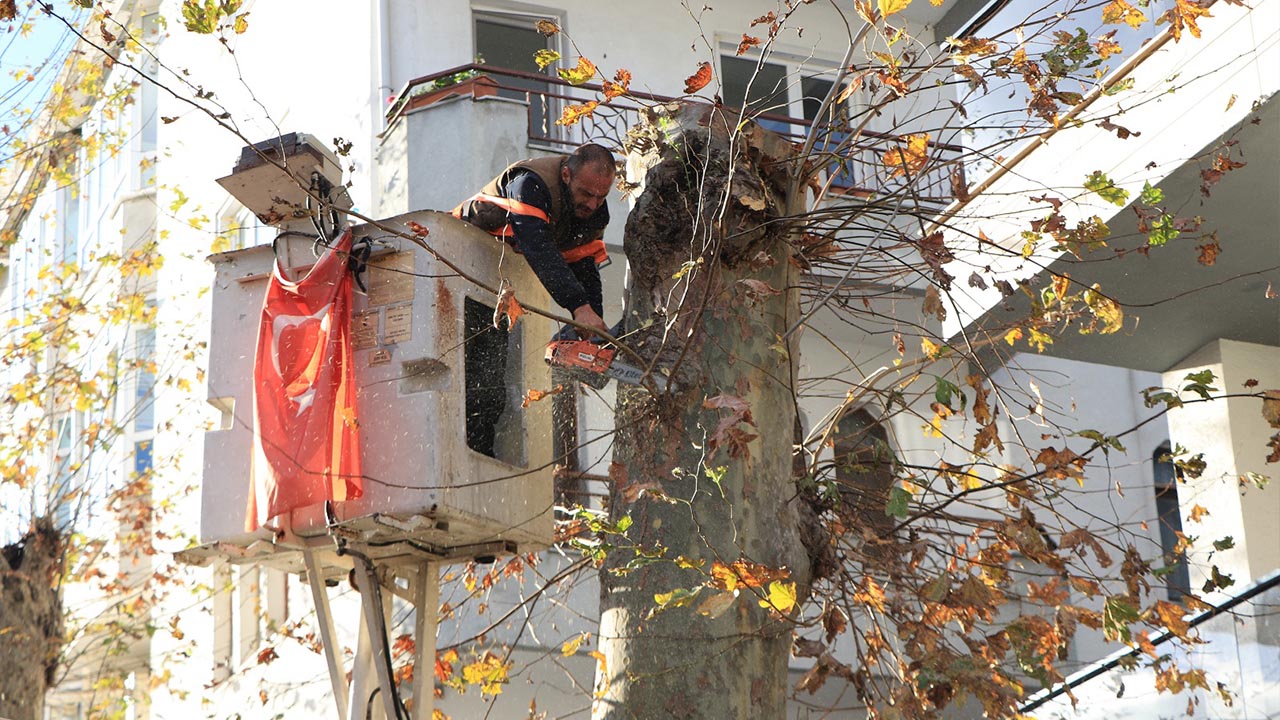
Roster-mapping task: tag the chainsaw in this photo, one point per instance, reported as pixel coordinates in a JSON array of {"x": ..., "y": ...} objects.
[{"x": 596, "y": 364}]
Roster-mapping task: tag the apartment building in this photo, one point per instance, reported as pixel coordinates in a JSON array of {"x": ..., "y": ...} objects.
[{"x": 435, "y": 98}]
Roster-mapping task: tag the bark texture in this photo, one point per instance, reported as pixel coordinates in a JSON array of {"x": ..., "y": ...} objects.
[
  {"x": 713, "y": 291},
  {"x": 30, "y": 621}
]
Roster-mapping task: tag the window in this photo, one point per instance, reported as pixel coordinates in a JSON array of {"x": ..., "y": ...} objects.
[
  {"x": 62, "y": 495},
  {"x": 509, "y": 42},
  {"x": 69, "y": 224},
  {"x": 239, "y": 229},
  {"x": 1169, "y": 518},
  {"x": 144, "y": 409},
  {"x": 864, "y": 471},
  {"x": 249, "y": 603},
  {"x": 494, "y": 375},
  {"x": 770, "y": 88}
]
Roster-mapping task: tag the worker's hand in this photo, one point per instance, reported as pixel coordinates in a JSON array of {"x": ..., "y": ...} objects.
[{"x": 584, "y": 315}]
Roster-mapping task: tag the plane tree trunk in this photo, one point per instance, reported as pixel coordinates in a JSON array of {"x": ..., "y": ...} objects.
[
  {"x": 30, "y": 621},
  {"x": 704, "y": 472}
]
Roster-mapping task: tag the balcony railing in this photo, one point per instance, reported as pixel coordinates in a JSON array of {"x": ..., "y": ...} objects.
[
  {"x": 1240, "y": 655},
  {"x": 859, "y": 167}
]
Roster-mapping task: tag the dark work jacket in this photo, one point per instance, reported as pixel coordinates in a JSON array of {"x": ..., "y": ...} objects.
[{"x": 537, "y": 182}]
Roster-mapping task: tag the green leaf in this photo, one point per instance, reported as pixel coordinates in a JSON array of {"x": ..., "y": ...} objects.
[
  {"x": 1119, "y": 87},
  {"x": 201, "y": 18},
  {"x": 1151, "y": 195},
  {"x": 899, "y": 504},
  {"x": 1117, "y": 614},
  {"x": 1257, "y": 480},
  {"x": 1198, "y": 383},
  {"x": 716, "y": 475},
  {"x": 1225, "y": 543},
  {"x": 1162, "y": 231},
  {"x": 1106, "y": 189},
  {"x": 1218, "y": 580},
  {"x": 944, "y": 389}
]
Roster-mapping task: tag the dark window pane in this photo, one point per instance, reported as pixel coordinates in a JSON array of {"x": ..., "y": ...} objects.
[
  {"x": 767, "y": 87},
  {"x": 511, "y": 46},
  {"x": 1169, "y": 518}
]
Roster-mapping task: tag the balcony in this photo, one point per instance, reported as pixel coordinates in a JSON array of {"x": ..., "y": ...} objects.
[{"x": 857, "y": 170}]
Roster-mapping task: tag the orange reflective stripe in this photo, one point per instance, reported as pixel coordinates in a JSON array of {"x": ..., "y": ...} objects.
[
  {"x": 512, "y": 206},
  {"x": 594, "y": 249}
]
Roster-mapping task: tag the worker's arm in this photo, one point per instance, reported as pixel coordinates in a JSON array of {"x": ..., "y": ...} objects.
[
  {"x": 535, "y": 241},
  {"x": 592, "y": 313}
]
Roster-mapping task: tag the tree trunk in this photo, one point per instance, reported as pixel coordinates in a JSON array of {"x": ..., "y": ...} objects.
[
  {"x": 705, "y": 472},
  {"x": 30, "y": 621}
]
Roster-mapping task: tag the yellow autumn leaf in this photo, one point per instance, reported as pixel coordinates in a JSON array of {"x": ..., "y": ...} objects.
[
  {"x": 1013, "y": 336},
  {"x": 583, "y": 72},
  {"x": 602, "y": 674},
  {"x": 890, "y": 7},
  {"x": 1120, "y": 11},
  {"x": 909, "y": 159},
  {"x": 929, "y": 348},
  {"x": 1104, "y": 309},
  {"x": 782, "y": 596},
  {"x": 489, "y": 672},
  {"x": 571, "y": 646},
  {"x": 545, "y": 57}
]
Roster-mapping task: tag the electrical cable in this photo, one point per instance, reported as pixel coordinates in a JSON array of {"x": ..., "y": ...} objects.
[{"x": 402, "y": 713}]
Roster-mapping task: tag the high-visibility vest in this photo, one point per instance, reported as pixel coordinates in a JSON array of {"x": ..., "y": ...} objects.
[{"x": 491, "y": 212}]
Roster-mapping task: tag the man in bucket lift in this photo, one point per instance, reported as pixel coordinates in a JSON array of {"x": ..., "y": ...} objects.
[{"x": 552, "y": 210}]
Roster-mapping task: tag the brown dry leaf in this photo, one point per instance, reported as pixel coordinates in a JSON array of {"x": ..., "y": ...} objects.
[
  {"x": 1184, "y": 15},
  {"x": 865, "y": 11},
  {"x": 1271, "y": 408},
  {"x": 546, "y": 27},
  {"x": 620, "y": 85},
  {"x": 892, "y": 82},
  {"x": 417, "y": 229},
  {"x": 834, "y": 621},
  {"x": 1198, "y": 512},
  {"x": 744, "y": 573},
  {"x": 507, "y": 306},
  {"x": 8, "y": 10},
  {"x": 933, "y": 304},
  {"x": 748, "y": 42},
  {"x": 699, "y": 79},
  {"x": 1209, "y": 251}
]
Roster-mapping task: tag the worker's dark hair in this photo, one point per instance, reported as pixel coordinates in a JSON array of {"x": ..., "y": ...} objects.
[{"x": 590, "y": 154}]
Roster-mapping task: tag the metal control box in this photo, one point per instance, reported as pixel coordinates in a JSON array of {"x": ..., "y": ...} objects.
[{"x": 424, "y": 487}]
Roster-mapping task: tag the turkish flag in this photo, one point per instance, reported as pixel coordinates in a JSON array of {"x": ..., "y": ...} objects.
[{"x": 306, "y": 437}]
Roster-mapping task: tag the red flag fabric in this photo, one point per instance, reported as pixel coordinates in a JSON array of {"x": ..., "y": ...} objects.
[{"x": 306, "y": 438}]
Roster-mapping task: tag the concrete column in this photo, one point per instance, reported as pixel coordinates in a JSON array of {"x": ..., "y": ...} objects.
[{"x": 1233, "y": 436}]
